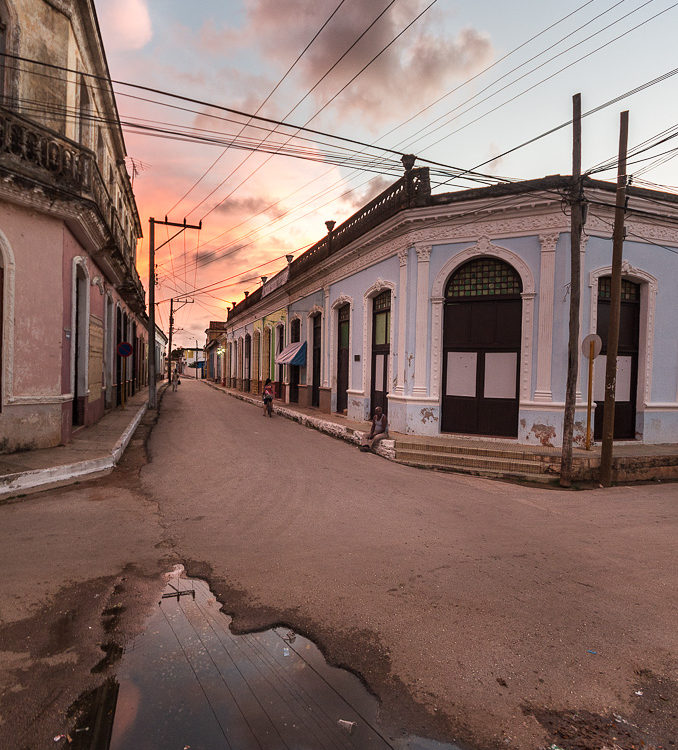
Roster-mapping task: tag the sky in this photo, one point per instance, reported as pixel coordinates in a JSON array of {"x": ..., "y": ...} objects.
[{"x": 457, "y": 82}]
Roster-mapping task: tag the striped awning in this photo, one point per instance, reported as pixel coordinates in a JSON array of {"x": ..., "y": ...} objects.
[{"x": 294, "y": 354}]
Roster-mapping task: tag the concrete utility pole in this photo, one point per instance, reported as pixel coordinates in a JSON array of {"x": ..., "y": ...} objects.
[
  {"x": 575, "y": 293},
  {"x": 615, "y": 306}
]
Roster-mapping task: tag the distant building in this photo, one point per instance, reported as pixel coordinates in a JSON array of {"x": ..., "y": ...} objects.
[
  {"x": 214, "y": 350},
  {"x": 451, "y": 312},
  {"x": 70, "y": 294}
]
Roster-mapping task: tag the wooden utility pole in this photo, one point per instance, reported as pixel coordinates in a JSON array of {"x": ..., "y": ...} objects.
[
  {"x": 615, "y": 306},
  {"x": 152, "y": 390},
  {"x": 171, "y": 326},
  {"x": 183, "y": 226},
  {"x": 575, "y": 292}
]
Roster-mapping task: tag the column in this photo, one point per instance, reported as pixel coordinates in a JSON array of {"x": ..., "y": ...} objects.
[
  {"x": 325, "y": 375},
  {"x": 402, "y": 321},
  {"x": 421, "y": 325},
  {"x": 545, "y": 341}
]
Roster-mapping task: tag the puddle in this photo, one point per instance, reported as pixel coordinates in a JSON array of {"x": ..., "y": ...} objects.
[{"x": 191, "y": 684}]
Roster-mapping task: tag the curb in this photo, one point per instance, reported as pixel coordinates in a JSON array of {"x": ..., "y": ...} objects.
[
  {"x": 385, "y": 448},
  {"x": 11, "y": 484}
]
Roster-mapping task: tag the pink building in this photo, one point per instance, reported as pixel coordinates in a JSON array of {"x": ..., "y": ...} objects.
[{"x": 69, "y": 289}]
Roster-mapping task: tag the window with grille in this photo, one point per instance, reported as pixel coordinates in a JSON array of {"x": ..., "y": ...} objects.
[
  {"x": 630, "y": 292},
  {"x": 484, "y": 277},
  {"x": 382, "y": 301}
]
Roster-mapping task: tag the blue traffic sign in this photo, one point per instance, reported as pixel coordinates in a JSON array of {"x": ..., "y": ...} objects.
[{"x": 125, "y": 349}]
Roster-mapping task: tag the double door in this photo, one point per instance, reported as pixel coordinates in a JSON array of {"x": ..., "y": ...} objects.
[{"x": 481, "y": 365}]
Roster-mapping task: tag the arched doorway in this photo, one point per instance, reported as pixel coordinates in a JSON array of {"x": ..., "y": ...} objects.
[
  {"x": 627, "y": 359},
  {"x": 481, "y": 349},
  {"x": 343, "y": 336}
]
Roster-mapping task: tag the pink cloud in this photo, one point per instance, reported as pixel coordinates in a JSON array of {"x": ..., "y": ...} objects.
[{"x": 126, "y": 24}]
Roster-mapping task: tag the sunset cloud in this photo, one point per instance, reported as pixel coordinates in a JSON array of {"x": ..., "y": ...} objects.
[{"x": 127, "y": 22}]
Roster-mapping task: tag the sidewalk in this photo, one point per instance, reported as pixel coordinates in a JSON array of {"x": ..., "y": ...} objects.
[
  {"x": 489, "y": 457},
  {"x": 94, "y": 451}
]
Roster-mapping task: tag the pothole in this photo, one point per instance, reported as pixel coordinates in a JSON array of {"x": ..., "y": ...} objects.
[{"x": 189, "y": 682}]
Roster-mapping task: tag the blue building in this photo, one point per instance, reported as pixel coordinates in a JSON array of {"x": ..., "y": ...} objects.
[{"x": 451, "y": 312}]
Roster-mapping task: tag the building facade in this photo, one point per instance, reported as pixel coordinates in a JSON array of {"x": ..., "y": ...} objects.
[
  {"x": 451, "y": 312},
  {"x": 69, "y": 290}
]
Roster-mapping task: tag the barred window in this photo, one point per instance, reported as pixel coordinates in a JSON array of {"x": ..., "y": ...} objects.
[
  {"x": 382, "y": 301},
  {"x": 630, "y": 292},
  {"x": 484, "y": 277}
]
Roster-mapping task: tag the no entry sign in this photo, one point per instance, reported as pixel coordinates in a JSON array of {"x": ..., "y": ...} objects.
[{"x": 125, "y": 349}]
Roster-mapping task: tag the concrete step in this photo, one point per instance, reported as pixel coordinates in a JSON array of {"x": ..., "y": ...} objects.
[
  {"x": 489, "y": 473},
  {"x": 470, "y": 462},
  {"x": 475, "y": 450}
]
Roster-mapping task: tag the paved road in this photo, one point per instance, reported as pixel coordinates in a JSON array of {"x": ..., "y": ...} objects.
[
  {"x": 437, "y": 585},
  {"x": 476, "y": 609}
]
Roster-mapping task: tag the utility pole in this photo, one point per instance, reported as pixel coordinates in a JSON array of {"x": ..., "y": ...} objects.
[
  {"x": 615, "y": 306},
  {"x": 171, "y": 326},
  {"x": 575, "y": 293},
  {"x": 196, "y": 359},
  {"x": 152, "y": 391}
]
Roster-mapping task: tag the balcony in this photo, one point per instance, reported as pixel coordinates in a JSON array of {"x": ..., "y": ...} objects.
[{"x": 67, "y": 170}]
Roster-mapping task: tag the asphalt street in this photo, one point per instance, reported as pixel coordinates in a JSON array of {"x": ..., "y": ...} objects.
[{"x": 476, "y": 610}]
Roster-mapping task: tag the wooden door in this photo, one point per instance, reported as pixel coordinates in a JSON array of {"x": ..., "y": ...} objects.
[
  {"x": 481, "y": 350},
  {"x": 381, "y": 349},
  {"x": 627, "y": 360},
  {"x": 317, "y": 360},
  {"x": 343, "y": 356}
]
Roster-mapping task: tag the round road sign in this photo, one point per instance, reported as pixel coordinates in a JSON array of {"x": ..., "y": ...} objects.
[
  {"x": 125, "y": 349},
  {"x": 586, "y": 345}
]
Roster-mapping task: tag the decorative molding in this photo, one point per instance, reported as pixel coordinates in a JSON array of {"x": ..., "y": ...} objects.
[
  {"x": 547, "y": 271},
  {"x": 98, "y": 282},
  {"x": 400, "y": 361},
  {"x": 483, "y": 247},
  {"x": 79, "y": 261},
  {"x": 7, "y": 323},
  {"x": 649, "y": 286},
  {"x": 340, "y": 301},
  {"x": 423, "y": 252},
  {"x": 421, "y": 320}
]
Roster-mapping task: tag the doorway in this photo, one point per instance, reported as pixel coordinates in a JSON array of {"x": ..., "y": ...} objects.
[
  {"x": 295, "y": 335},
  {"x": 381, "y": 349},
  {"x": 481, "y": 349},
  {"x": 627, "y": 359},
  {"x": 343, "y": 356},
  {"x": 317, "y": 359}
]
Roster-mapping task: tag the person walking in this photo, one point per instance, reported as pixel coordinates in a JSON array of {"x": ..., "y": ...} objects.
[
  {"x": 175, "y": 379},
  {"x": 268, "y": 398}
]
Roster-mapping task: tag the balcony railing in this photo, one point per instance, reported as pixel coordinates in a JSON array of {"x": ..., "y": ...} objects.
[
  {"x": 35, "y": 152},
  {"x": 411, "y": 190}
]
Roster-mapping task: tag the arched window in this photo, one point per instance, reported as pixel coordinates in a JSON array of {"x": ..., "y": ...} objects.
[{"x": 484, "y": 277}]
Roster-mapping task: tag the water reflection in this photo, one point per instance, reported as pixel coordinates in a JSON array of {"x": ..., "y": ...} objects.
[{"x": 189, "y": 683}]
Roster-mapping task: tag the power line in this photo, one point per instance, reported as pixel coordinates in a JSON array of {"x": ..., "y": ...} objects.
[{"x": 275, "y": 88}]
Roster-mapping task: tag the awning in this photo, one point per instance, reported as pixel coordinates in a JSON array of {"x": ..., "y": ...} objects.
[{"x": 294, "y": 354}]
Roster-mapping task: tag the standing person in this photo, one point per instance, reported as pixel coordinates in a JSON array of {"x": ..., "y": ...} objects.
[
  {"x": 268, "y": 398},
  {"x": 175, "y": 379},
  {"x": 378, "y": 432}
]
